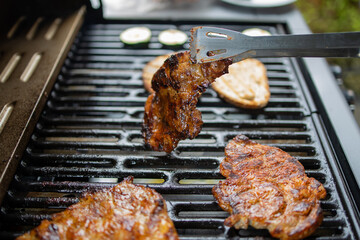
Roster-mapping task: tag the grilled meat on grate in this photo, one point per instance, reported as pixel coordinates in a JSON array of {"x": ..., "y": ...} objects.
[
  {"x": 126, "y": 211},
  {"x": 170, "y": 112},
  {"x": 267, "y": 188}
]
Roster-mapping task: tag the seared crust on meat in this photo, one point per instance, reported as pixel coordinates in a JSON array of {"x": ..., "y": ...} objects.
[
  {"x": 267, "y": 188},
  {"x": 126, "y": 211},
  {"x": 150, "y": 69},
  {"x": 170, "y": 112}
]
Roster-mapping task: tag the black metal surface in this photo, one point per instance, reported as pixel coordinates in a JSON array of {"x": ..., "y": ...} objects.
[
  {"x": 88, "y": 137},
  {"x": 32, "y": 50}
]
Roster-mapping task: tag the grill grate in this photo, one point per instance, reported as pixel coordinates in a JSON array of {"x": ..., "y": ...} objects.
[{"x": 88, "y": 137}]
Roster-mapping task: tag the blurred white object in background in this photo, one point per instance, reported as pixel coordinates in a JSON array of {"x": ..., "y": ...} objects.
[
  {"x": 141, "y": 6},
  {"x": 260, "y": 3}
]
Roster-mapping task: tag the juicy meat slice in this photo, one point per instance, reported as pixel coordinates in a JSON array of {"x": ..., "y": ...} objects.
[
  {"x": 268, "y": 189},
  {"x": 170, "y": 112},
  {"x": 126, "y": 211}
]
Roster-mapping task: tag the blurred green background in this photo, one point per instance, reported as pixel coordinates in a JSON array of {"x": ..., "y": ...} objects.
[{"x": 337, "y": 16}]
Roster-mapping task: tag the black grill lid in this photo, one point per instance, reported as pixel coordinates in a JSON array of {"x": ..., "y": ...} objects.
[{"x": 88, "y": 137}]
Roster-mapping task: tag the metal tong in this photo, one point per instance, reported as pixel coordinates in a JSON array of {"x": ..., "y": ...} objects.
[{"x": 210, "y": 44}]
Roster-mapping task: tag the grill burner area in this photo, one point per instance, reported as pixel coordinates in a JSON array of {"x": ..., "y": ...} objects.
[{"x": 88, "y": 137}]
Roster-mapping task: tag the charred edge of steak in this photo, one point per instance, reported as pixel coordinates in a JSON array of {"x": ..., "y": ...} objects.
[{"x": 163, "y": 79}]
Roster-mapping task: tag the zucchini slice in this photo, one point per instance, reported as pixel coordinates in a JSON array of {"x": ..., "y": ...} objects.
[
  {"x": 136, "y": 35},
  {"x": 172, "y": 37}
]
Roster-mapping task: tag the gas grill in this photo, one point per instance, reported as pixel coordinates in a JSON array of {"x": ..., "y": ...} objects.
[{"x": 86, "y": 134}]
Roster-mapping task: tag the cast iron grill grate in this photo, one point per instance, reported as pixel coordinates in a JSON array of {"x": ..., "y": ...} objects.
[{"x": 88, "y": 137}]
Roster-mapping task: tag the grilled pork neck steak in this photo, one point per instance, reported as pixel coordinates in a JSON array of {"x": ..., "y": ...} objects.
[
  {"x": 170, "y": 112},
  {"x": 268, "y": 189},
  {"x": 126, "y": 211}
]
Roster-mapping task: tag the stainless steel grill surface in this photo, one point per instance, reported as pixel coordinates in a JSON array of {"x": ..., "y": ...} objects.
[{"x": 88, "y": 137}]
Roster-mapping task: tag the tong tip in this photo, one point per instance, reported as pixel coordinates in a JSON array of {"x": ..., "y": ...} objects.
[
  {"x": 193, "y": 44},
  {"x": 207, "y": 44}
]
